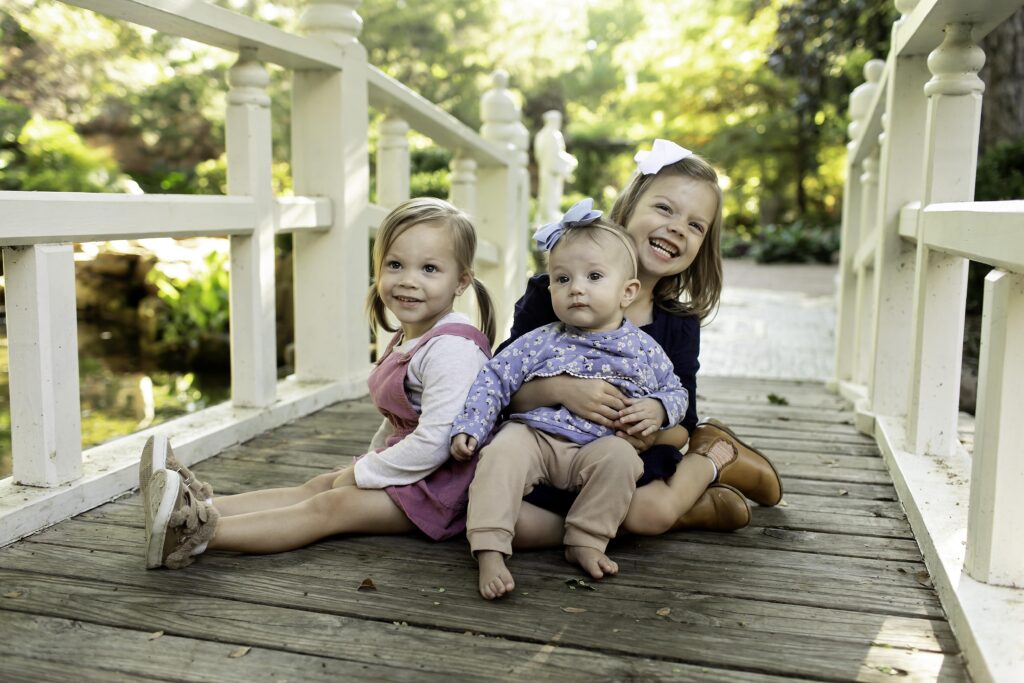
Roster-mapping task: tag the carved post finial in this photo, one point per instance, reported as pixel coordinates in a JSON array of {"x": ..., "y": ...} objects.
[
  {"x": 955, "y": 64},
  {"x": 860, "y": 98},
  {"x": 336, "y": 20},
  {"x": 499, "y": 111},
  {"x": 905, "y": 7},
  {"x": 248, "y": 80}
]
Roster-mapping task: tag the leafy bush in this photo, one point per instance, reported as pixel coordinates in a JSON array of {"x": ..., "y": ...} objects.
[
  {"x": 795, "y": 243},
  {"x": 195, "y": 308}
]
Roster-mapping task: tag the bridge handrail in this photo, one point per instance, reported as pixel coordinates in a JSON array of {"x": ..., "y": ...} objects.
[{"x": 910, "y": 226}]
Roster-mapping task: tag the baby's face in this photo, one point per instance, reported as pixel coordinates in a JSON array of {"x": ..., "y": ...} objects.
[{"x": 590, "y": 287}]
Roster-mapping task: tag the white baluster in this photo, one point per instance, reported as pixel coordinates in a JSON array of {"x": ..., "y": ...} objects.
[
  {"x": 42, "y": 338},
  {"x": 865, "y": 272},
  {"x": 498, "y": 204},
  {"x": 521, "y": 142},
  {"x": 393, "y": 162},
  {"x": 860, "y": 100},
  {"x": 253, "y": 335},
  {"x": 330, "y": 158},
  {"x": 462, "y": 186},
  {"x": 951, "y": 155},
  {"x": 554, "y": 165},
  {"x": 994, "y": 552}
]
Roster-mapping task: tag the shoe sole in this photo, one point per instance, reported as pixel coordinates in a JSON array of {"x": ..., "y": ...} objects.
[
  {"x": 719, "y": 425},
  {"x": 154, "y": 457},
  {"x": 164, "y": 487}
]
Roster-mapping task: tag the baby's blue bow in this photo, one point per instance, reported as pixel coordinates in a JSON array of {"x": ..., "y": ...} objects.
[{"x": 580, "y": 214}]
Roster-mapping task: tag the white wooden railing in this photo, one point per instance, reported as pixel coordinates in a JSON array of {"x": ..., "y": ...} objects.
[
  {"x": 909, "y": 229},
  {"x": 331, "y": 221}
]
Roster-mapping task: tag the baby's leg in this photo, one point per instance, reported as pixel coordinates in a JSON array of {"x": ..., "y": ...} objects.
[
  {"x": 658, "y": 506},
  {"x": 271, "y": 499},
  {"x": 606, "y": 471},
  {"x": 538, "y": 528},
  {"x": 508, "y": 468},
  {"x": 346, "y": 510}
]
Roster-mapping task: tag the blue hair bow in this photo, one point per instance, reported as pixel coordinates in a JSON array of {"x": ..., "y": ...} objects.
[{"x": 580, "y": 214}]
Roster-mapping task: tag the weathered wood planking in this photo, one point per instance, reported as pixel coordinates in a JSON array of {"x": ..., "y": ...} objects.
[{"x": 828, "y": 586}]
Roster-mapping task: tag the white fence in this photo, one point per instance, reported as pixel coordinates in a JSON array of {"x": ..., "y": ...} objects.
[
  {"x": 331, "y": 222},
  {"x": 909, "y": 229}
]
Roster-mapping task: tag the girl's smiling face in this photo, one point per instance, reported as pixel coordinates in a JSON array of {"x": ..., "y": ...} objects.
[
  {"x": 420, "y": 277},
  {"x": 669, "y": 224}
]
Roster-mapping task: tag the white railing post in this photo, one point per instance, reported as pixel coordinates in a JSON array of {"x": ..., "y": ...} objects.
[
  {"x": 865, "y": 271},
  {"x": 994, "y": 552},
  {"x": 330, "y": 158},
  {"x": 940, "y": 288},
  {"x": 393, "y": 162},
  {"x": 554, "y": 165},
  {"x": 846, "y": 321},
  {"x": 42, "y": 337},
  {"x": 521, "y": 142},
  {"x": 253, "y": 335},
  {"x": 498, "y": 205},
  {"x": 462, "y": 184},
  {"x": 901, "y": 177}
]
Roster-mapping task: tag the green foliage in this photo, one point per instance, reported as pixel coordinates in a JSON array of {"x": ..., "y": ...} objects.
[
  {"x": 1001, "y": 172},
  {"x": 50, "y": 156},
  {"x": 794, "y": 243},
  {"x": 196, "y": 307}
]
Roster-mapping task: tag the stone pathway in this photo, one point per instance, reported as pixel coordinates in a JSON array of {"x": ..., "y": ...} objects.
[{"x": 775, "y": 321}]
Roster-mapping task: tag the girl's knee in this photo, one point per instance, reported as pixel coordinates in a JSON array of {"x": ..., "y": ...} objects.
[
  {"x": 320, "y": 483},
  {"x": 332, "y": 503},
  {"x": 649, "y": 517}
]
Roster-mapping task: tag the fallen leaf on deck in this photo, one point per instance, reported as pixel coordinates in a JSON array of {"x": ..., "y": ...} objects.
[
  {"x": 441, "y": 589},
  {"x": 664, "y": 611},
  {"x": 155, "y": 635},
  {"x": 843, "y": 492},
  {"x": 573, "y": 584},
  {"x": 783, "y": 504},
  {"x": 13, "y": 594},
  {"x": 573, "y": 610},
  {"x": 367, "y": 585},
  {"x": 923, "y": 578},
  {"x": 777, "y": 400},
  {"x": 240, "y": 652},
  {"x": 892, "y": 671}
]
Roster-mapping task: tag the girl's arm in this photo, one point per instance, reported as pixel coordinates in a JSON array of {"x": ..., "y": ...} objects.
[{"x": 446, "y": 367}]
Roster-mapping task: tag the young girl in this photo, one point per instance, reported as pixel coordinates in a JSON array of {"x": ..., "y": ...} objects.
[
  {"x": 422, "y": 259},
  {"x": 672, "y": 208}
]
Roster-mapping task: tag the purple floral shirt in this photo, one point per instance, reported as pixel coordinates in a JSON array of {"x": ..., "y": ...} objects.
[{"x": 627, "y": 358}]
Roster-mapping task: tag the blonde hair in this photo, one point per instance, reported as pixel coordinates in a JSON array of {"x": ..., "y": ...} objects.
[
  {"x": 442, "y": 214},
  {"x": 594, "y": 230},
  {"x": 702, "y": 281}
]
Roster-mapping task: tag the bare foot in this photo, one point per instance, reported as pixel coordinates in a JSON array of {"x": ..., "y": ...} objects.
[
  {"x": 495, "y": 579},
  {"x": 592, "y": 560}
]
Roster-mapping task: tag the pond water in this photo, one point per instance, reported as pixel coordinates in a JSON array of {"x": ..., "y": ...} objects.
[{"x": 121, "y": 391}]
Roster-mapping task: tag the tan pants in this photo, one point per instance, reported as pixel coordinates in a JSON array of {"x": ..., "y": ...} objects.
[{"x": 520, "y": 457}]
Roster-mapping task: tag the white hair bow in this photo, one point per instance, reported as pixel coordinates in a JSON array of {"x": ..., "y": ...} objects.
[{"x": 663, "y": 153}]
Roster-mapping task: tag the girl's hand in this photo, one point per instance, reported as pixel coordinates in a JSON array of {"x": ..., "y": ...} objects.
[
  {"x": 463, "y": 447},
  {"x": 346, "y": 477},
  {"x": 642, "y": 417},
  {"x": 640, "y": 443},
  {"x": 592, "y": 399}
]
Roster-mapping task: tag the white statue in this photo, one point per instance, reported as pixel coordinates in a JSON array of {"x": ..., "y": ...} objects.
[{"x": 554, "y": 165}]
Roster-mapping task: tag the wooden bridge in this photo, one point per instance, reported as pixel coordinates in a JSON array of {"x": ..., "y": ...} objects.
[{"x": 891, "y": 525}]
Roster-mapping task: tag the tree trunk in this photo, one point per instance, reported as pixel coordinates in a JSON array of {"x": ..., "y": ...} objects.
[{"x": 1002, "y": 116}]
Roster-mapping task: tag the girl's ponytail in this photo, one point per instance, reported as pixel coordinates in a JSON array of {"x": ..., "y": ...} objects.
[{"x": 486, "y": 306}]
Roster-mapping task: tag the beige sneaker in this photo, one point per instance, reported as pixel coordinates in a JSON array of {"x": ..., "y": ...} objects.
[
  {"x": 180, "y": 522},
  {"x": 157, "y": 454}
]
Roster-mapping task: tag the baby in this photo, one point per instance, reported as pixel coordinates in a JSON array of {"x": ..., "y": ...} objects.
[{"x": 592, "y": 266}]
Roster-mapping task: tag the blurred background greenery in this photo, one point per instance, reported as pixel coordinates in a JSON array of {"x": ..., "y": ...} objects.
[{"x": 759, "y": 87}]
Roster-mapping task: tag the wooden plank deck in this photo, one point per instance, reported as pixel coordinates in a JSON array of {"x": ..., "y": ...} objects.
[{"x": 829, "y": 586}]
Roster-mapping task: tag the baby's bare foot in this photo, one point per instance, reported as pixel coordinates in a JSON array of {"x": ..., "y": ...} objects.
[
  {"x": 495, "y": 579},
  {"x": 592, "y": 561}
]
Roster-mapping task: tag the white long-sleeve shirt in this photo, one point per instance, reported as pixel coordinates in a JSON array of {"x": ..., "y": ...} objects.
[{"x": 437, "y": 380}]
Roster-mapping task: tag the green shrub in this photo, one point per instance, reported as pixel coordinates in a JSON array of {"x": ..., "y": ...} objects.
[
  {"x": 196, "y": 308},
  {"x": 795, "y": 243}
]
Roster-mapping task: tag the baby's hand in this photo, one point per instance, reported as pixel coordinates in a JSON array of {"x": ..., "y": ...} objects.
[
  {"x": 463, "y": 447},
  {"x": 646, "y": 415},
  {"x": 640, "y": 443}
]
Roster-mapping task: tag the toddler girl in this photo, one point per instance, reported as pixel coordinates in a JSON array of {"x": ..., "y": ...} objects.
[
  {"x": 592, "y": 266},
  {"x": 422, "y": 259}
]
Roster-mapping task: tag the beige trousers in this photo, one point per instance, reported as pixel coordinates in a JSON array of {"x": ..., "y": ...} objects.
[{"x": 520, "y": 457}]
